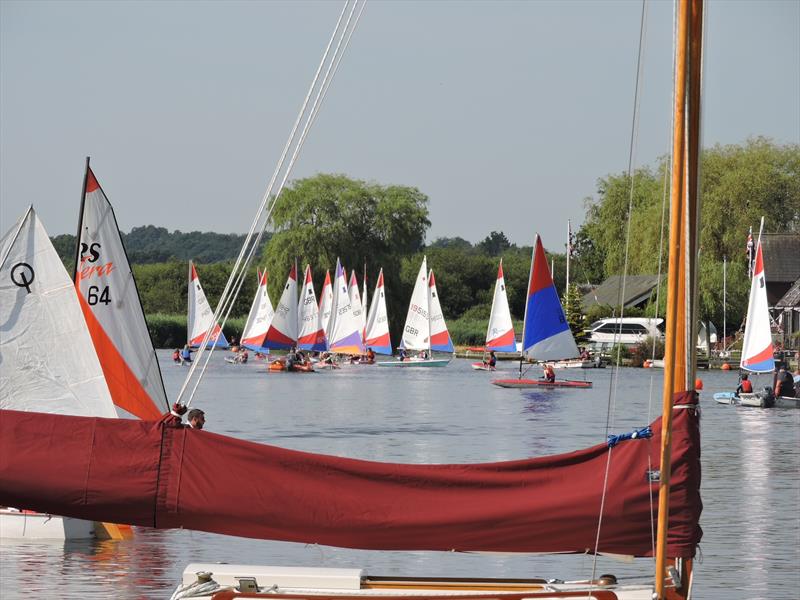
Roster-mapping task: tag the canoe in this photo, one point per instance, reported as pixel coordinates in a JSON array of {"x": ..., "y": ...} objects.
[{"x": 541, "y": 383}]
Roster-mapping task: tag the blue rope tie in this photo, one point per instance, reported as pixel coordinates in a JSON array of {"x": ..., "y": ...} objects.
[{"x": 644, "y": 432}]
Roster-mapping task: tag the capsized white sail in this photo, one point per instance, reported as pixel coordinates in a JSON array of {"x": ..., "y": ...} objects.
[
  {"x": 500, "y": 332},
  {"x": 282, "y": 332},
  {"x": 112, "y": 309},
  {"x": 440, "y": 337},
  {"x": 259, "y": 318},
  {"x": 377, "y": 332},
  {"x": 47, "y": 359},
  {"x": 201, "y": 317},
  {"x": 416, "y": 333},
  {"x": 757, "y": 349},
  {"x": 311, "y": 335}
]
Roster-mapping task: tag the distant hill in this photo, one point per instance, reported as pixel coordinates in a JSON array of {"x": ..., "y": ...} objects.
[{"x": 150, "y": 244}]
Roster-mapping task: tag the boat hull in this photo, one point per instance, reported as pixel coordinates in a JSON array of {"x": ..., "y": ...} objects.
[
  {"x": 541, "y": 383},
  {"x": 39, "y": 526},
  {"x": 574, "y": 364},
  {"x": 754, "y": 400},
  {"x": 429, "y": 362},
  {"x": 479, "y": 366},
  {"x": 787, "y": 402}
]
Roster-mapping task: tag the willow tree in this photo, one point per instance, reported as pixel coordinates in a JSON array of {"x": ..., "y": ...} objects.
[{"x": 320, "y": 218}]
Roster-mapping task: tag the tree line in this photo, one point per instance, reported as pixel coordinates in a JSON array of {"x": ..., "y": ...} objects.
[{"x": 369, "y": 226}]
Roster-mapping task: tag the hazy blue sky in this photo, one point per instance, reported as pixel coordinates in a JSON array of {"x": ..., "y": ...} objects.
[{"x": 505, "y": 113}]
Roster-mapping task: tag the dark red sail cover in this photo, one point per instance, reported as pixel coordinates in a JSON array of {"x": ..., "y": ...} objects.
[{"x": 151, "y": 474}]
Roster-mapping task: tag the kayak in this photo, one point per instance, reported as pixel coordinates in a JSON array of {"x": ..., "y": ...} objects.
[{"x": 541, "y": 383}]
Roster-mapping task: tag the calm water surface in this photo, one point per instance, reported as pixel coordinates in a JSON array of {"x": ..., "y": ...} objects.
[{"x": 751, "y": 475}]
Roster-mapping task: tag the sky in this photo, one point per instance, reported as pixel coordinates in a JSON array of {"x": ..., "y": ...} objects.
[{"x": 505, "y": 114}]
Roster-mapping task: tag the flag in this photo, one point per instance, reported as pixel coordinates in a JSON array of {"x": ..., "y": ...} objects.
[
  {"x": 750, "y": 256},
  {"x": 570, "y": 240}
]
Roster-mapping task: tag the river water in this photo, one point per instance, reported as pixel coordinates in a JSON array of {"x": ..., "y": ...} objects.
[{"x": 751, "y": 475}]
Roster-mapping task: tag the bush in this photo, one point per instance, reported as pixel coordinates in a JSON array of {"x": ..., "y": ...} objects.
[
  {"x": 169, "y": 331},
  {"x": 644, "y": 351}
]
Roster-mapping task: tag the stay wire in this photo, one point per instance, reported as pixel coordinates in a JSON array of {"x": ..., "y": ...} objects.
[
  {"x": 225, "y": 298},
  {"x": 613, "y": 385}
]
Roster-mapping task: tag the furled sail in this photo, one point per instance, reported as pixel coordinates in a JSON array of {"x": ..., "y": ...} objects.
[
  {"x": 47, "y": 359},
  {"x": 182, "y": 477},
  {"x": 110, "y": 303}
]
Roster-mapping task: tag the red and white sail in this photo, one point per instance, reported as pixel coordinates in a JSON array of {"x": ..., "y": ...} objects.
[
  {"x": 259, "y": 318},
  {"x": 417, "y": 330},
  {"x": 113, "y": 311},
  {"x": 355, "y": 300},
  {"x": 282, "y": 332},
  {"x": 377, "y": 332},
  {"x": 48, "y": 362},
  {"x": 757, "y": 349},
  {"x": 440, "y": 337},
  {"x": 201, "y": 317},
  {"x": 345, "y": 328},
  {"x": 311, "y": 335},
  {"x": 326, "y": 303},
  {"x": 500, "y": 333}
]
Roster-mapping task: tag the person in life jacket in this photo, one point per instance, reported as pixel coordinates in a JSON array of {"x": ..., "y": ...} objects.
[
  {"x": 745, "y": 385},
  {"x": 549, "y": 373}
]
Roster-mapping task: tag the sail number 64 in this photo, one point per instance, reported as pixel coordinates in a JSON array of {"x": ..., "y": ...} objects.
[{"x": 95, "y": 295}]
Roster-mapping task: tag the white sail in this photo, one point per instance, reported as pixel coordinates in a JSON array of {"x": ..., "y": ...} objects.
[
  {"x": 311, "y": 335},
  {"x": 440, "y": 337},
  {"x": 48, "y": 361},
  {"x": 325, "y": 304},
  {"x": 282, "y": 331},
  {"x": 416, "y": 333},
  {"x": 500, "y": 332},
  {"x": 345, "y": 327},
  {"x": 355, "y": 301},
  {"x": 377, "y": 332},
  {"x": 113, "y": 311},
  {"x": 364, "y": 303},
  {"x": 201, "y": 317},
  {"x": 259, "y": 318},
  {"x": 757, "y": 349}
]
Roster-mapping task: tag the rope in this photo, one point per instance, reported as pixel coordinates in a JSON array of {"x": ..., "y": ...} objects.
[
  {"x": 197, "y": 589},
  {"x": 644, "y": 432},
  {"x": 236, "y": 279},
  {"x": 614, "y": 382}
]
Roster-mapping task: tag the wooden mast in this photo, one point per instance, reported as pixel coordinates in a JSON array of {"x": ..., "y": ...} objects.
[{"x": 679, "y": 356}]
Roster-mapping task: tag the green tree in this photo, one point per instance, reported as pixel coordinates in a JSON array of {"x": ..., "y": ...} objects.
[
  {"x": 494, "y": 244},
  {"x": 574, "y": 313}
]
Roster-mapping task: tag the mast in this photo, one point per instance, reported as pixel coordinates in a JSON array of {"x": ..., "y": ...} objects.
[
  {"x": 569, "y": 251},
  {"x": 724, "y": 300},
  {"x": 679, "y": 356},
  {"x": 80, "y": 223}
]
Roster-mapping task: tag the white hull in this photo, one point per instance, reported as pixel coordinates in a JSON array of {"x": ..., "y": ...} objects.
[
  {"x": 37, "y": 526},
  {"x": 355, "y": 583},
  {"x": 416, "y": 362},
  {"x": 786, "y": 402},
  {"x": 574, "y": 364}
]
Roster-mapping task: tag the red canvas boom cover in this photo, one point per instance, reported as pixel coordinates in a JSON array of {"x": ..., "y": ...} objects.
[{"x": 152, "y": 474}]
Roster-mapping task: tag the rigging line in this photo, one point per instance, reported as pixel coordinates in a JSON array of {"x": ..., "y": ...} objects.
[
  {"x": 329, "y": 73},
  {"x": 614, "y": 383},
  {"x": 265, "y": 197}
]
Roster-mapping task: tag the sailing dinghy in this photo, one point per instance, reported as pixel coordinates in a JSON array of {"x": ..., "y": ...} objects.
[
  {"x": 546, "y": 335},
  {"x": 311, "y": 335},
  {"x": 259, "y": 318},
  {"x": 377, "y": 332},
  {"x": 345, "y": 330},
  {"x": 201, "y": 317},
  {"x": 425, "y": 330},
  {"x": 500, "y": 332}
]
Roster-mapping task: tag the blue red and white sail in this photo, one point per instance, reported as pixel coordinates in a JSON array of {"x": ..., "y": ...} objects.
[
  {"x": 757, "y": 350},
  {"x": 440, "y": 337},
  {"x": 259, "y": 319},
  {"x": 311, "y": 335},
  {"x": 345, "y": 327},
  {"x": 500, "y": 333},
  {"x": 201, "y": 317},
  {"x": 546, "y": 334},
  {"x": 282, "y": 332},
  {"x": 377, "y": 332}
]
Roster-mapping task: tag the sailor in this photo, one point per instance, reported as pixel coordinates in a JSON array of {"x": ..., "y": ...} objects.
[
  {"x": 176, "y": 355},
  {"x": 784, "y": 384},
  {"x": 402, "y": 354},
  {"x": 745, "y": 385},
  {"x": 196, "y": 418},
  {"x": 370, "y": 356},
  {"x": 549, "y": 373},
  {"x": 491, "y": 362},
  {"x": 186, "y": 354}
]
